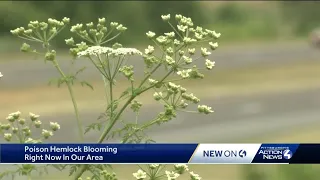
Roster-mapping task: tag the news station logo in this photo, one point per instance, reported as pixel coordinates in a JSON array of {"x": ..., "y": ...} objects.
[
  {"x": 225, "y": 153},
  {"x": 274, "y": 153}
]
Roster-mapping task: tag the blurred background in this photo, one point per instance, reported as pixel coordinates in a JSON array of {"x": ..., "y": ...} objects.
[{"x": 264, "y": 88}]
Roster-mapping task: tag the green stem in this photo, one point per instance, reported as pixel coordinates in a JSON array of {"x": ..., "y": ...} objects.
[
  {"x": 106, "y": 131},
  {"x": 75, "y": 106},
  {"x": 147, "y": 77}
]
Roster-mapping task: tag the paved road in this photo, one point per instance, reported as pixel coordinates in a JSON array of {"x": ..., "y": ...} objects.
[
  {"x": 30, "y": 73},
  {"x": 235, "y": 119}
]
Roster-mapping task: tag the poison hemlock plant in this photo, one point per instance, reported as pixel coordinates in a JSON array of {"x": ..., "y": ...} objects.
[{"x": 177, "y": 56}]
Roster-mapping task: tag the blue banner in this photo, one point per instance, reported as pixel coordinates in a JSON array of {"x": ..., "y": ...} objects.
[
  {"x": 96, "y": 153},
  {"x": 159, "y": 153}
]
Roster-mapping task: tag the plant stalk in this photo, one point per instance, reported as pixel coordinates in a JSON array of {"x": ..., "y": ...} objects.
[
  {"x": 106, "y": 131},
  {"x": 75, "y": 106}
]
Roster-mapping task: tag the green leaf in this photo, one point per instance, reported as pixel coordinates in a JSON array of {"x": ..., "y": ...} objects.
[
  {"x": 80, "y": 70},
  {"x": 73, "y": 169},
  {"x": 84, "y": 83}
]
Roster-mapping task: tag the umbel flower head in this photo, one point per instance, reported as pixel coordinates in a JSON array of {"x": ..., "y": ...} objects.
[
  {"x": 99, "y": 50},
  {"x": 1, "y": 75}
]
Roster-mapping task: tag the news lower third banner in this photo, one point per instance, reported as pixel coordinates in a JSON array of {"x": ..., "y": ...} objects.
[{"x": 159, "y": 153}]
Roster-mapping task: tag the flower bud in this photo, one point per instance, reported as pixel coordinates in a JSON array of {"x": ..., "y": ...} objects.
[
  {"x": 209, "y": 64},
  {"x": 170, "y": 51},
  {"x": 170, "y": 34},
  {"x": 181, "y": 168},
  {"x": 176, "y": 42},
  {"x": 213, "y": 46},
  {"x": 53, "y": 30},
  {"x": 104, "y": 29},
  {"x": 117, "y": 45},
  {"x": 46, "y": 134},
  {"x": 178, "y": 17},
  {"x": 90, "y": 25},
  {"x": 25, "y": 47},
  {"x": 50, "y": 56},
  {"x": 74, "y": 51},
  {"x": 149, "y": 50},
  {"x": 152, "y": 81},
  {"x": 16, "y": 115},
  {"x": 70, "y": 42},
  {"x": 135, "y": 106},
  {"x": 28, "y": 31},
  {"x": 54, "y": 126},
  {"x": 27, "y": 132},
  {"x": 191, "y": 51},
  {"x": 187, "y": 60},
  {"x": 205, "y": 52},
  {"x": 6, "y": 126},
  {"x": 37, "y": 124},
  {"x": 22, "y": 121},
  {"x": 169, "y": 60},
  {"x": 10, "y": 118},
  {"x": 102, "y": 20},
  {"x": 181, "y": 53},
  {"x": 165, "y": 17},
  {"x": 99, "y": 35},
  {"x": 121, "y": 28},
  {"x": 157, "y": 96},
  {"x": 183, "y": 90},
  {"x": 93, "y": 31},
  {"x": 114, "y": 24},
  {"x": 204, "y": 109},
  {"x": 140, "y": 175},
  {"x": 150, "y": 34},
  {"x": 99, "y": 26},
  {"x": 43, "y": 26},
  {"x": 66, "y": 20},
  {"x": 8, "y": 136},
  {"x": 182, "y": 28}
]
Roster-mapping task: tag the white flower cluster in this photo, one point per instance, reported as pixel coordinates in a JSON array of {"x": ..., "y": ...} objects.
[
  {"x": 204, "y": 109},
  {"x": 157, "y": 96},
  {"x": 53, "y": 24},
  {"x": 149, "y": 50},
  {"x": 189, "y": 34},
  {"x": 171, "y": 175},
  {"x": 126, "y": 51},
  {"x": 95, "y": 50},
  {"x": 184, "y": 73},
  {"x": 1, "y": 75},
  {"x": 99, "y": 50},
  {"x": 209, "y": 64},
  {"x": 195, "y": 176},
  {"x": 20, "y": 126},
  {"x": 152, "y": 81},
  {"x": 140, "y": 175}
]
